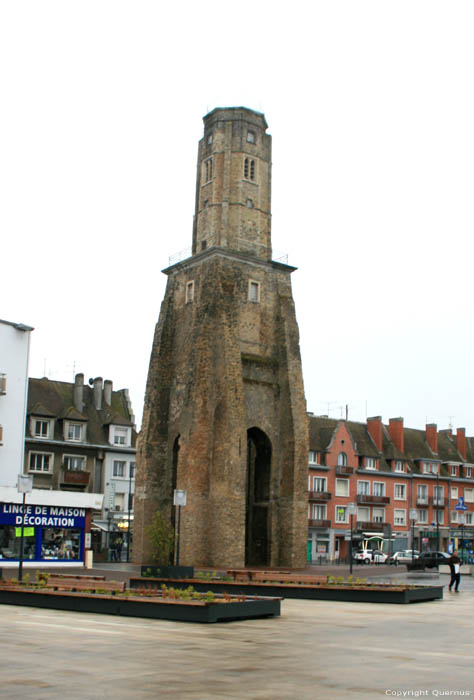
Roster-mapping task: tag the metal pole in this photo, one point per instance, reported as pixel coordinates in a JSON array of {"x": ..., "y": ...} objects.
[
  {"x": 462, "y": 542},
  {"x": 22, "y": 539},
  {"x": 350, "y": 549},
  {"x": 179, "y": 531},
  {"x": 129, "y": 499},
  {"x": 437, "y": 510}
]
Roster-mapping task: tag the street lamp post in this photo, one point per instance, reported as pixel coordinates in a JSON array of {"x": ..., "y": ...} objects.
[
  {"x": 179, "y": 499},
  {"x": 352, "y": 509},
  {"x": 130, "y": 474},
  {"x": 437, "y": 510},
  {"x": 462, "y": 520},
  {"x": 25, "y": 485},
  {"x": 413, "y": 518}
]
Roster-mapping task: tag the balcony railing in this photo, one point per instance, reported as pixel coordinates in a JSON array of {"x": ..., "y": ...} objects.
[
  {"x": 73, "y": 476},
  {"x": 367, "y": 525},
  {"x": 422, "y": 500},
  {"x": 437, "y": 502},
  {"x": 365, "y": 498},
  {"x": 319, "y": 523},
  {"x": 319, "y": 496},
  {"x": 344, "y": 470}
]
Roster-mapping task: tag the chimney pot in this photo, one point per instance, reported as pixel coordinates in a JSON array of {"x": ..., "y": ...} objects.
[
  {"x": 98, "y": 393},
  {"x": 432, "y": 436},
  {"x": 374, "y": 426},
  {"x": 78, "y": 392},
  {"x": 397, "y": 435}
]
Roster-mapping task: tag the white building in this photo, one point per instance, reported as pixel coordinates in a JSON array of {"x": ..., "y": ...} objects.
[{"x": 14, "y": 355}]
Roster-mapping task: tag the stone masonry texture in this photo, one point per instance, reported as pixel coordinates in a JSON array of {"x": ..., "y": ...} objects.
[{"x": 225, "y": 412}]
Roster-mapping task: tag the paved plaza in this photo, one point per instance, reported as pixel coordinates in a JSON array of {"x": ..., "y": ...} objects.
[{"x": 315, "y": 650}]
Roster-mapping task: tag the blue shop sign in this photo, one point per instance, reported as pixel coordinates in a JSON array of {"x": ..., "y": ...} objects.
[{"x": 42, "y": 516}]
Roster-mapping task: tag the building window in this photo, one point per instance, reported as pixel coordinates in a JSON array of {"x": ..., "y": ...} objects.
[
  {"x": 438, "y": 493},
  {"x": 341, "y": 514},
  {"x": 133, "y": 467},
  {"x": 378, "y": 515},
  {"x": 469, "y": 495},
  {"x": 400, "y": 492},
  {"x": 208, "y": 170},
  {"x": 121, "y": 436},
  {"x": 313, "y": 457},
  {"x": 467, "y": 472},
  {"x": 119, "y": 468},
  {"x": 454, "y": 516},
  {"x": 249, "y": 203},
  {"x": 319, "y": 483},
  {"x": 363, "y": 514},
  {"x": 454, "y": 493},
  {"x": 189, "y": 292},
  {"x": 251, "y": 137},
  {"x": 439, "y": 517},
  {"x": 249, "y": 169},
  {"x": 399, "y": 466},
  {"x": 422, "y": 516},
  {"x": 363, "y": 488},
  {"x": 41, "y": 428},
  {"x": 342, "y": 487},
  {"x": 319, "y": 512},
  {"x": 469, "y": 519},
  {"x": 210, "y": 138},
  {"x": 379, "y": 488},
  {"x": 74, "y": 432},
  {"x": 342, "y": 459},
  {"x": 422, "y": 493},
  {"x": 370, "y": 463},
  {"x": 74, "y": 463},
  {"x": 453, "y": 470},
  {"x": 399, "y": 517},
  {"x": 40, "y": 462},
  {"x": 254, "y": 291}
]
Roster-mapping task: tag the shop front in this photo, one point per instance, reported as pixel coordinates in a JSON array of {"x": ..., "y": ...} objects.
[{"x": 53, "y": 534}]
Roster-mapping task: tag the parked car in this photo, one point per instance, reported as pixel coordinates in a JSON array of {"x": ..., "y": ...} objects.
[
  {"x": 429, "y": 560},
  {"x": 403, "y": 557},
  {"x": 367, "y": 556}
]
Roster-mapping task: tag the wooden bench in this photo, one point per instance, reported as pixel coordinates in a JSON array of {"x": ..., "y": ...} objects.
[
  {"x": 81, "y": 577},
  {"x": 84, "y": 584},
  {"x": 248, "y": 574},
  {"x": 283, "y": 577}
]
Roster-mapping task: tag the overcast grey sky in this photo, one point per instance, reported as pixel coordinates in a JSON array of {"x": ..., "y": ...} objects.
[{"x": 371, "y": 108}]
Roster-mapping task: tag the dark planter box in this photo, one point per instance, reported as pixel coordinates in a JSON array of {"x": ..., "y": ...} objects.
[
  {"x": 161, "y": 610},
  {"x": 168, "y": 571},
  {"x": 359, "y": 594}
]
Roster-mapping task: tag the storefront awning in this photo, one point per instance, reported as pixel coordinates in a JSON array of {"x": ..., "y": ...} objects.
[{"x": 96, "y": 526}]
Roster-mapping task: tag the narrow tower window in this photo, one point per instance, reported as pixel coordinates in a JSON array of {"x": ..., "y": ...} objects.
[
  {"x": 250, "y": 136},
  {"x": 208, "y": 164},
  {"x": 189, "y": 292},
  {"x": 254, "y": 291},
  {"x": 249, "y": 169}
]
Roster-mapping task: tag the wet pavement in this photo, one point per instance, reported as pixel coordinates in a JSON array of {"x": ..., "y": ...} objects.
[{"x": 314, "y": 650}]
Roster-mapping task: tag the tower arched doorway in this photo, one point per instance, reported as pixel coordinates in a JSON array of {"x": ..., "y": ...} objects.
[{"x": 257, "y": 527}]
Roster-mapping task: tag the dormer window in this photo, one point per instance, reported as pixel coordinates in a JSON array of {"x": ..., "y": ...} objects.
[
  {"x": 468, "y": 472},
  {"x": 342, "y": 459},
  {"x": 313, "y": 457},
  {"x": 399, "y": 466},
  {"x": 41, "y": 428},
  {"x": 370, "y": 463},
  {"x": 453, "y": 470},
  {"x": 120, "y": 436},
  {"x": 74, "y": 432}
]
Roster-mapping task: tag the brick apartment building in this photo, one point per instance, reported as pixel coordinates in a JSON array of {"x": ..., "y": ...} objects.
[{"x": 387, "y": 471}]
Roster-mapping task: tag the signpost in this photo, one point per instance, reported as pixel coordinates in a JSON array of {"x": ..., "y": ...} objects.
[
  {"x": 25, "y": 485},
  {"x": 413, "y": 518},
  {"x": 179, "y": 499},
  {"x": 352, "y": 510},
  {"x": 461, "y": 506}
]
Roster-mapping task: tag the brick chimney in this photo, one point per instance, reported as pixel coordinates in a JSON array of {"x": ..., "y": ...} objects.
[
  {"x": 108, "y": 386},
  {"x": 432, "y": 436},
  {"x": 79, "y": 392},
  {"x": 397, "y": 436},
  {"x": 461, "y": 442},
  {"x": 98, "y": 393},
  {"x": 374, "y": 426}
]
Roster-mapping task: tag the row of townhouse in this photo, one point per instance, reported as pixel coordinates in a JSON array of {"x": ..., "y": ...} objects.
[
  {"x": 401, "y": 485},
  {"x": 76, "y": 443}
]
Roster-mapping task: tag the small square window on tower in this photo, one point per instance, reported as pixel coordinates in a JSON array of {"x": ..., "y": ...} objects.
[
  {"x": 254, "y": 291},
  {"x": 251, "y": 137},
  {"x": 189, "y": 292}
]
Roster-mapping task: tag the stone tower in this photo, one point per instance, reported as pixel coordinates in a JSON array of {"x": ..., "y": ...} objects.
[{"x": 225, "y": 412}]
